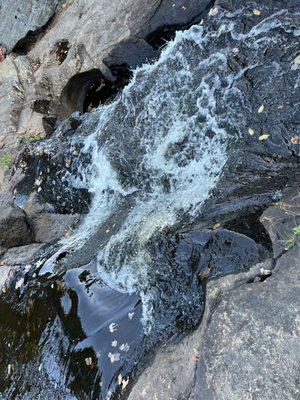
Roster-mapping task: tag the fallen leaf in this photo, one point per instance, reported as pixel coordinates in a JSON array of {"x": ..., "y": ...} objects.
[
  {"x": 295, "y": 139},
  {"x": 251, "y": 131},
  {"x": 196, "y": 357},
  {"x": 120, "y": 378},
  {"x": 216, "y": 226},
  {"x": 297, "y": 60},
  {"x": 130, "y": 315},
  {"x": 204, "y": 274},
  {"x": 124, "y": 347},
  {"x": 213, "y": 11},
  {"x": 125, "y": 383},
  {"x": 114, "y": 357},
  {"x": 256, "y": 12},
  {"x": 280, "y": 107},
  {"x": 113, "y": 327},
  {"x": 263, "y": 137},
  {"x": 261, "y": 109}
]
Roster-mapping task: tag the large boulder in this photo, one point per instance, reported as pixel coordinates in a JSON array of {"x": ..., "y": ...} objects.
[{"x": 14, "y": 228}]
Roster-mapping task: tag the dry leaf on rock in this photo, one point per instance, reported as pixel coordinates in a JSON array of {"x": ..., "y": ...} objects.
[{"x": 263, "y": 137}]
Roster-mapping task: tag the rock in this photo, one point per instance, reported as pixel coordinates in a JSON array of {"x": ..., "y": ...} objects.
[
  {"x": 14, "y": 258},
  {"x": 174, "y": 366},
  {"x": 46, "y": 226},
  {"x": 14, "y": 228},
  {"x": 248, "y": 343},
  {"x": 251, "y": 347},
  {"x": 49, "y": 228},
  {"x": 5, "y": 274},
  {"x": 22, "y": 255},
  {"x": 82, "y": 40},
  {"x": 16, "y": 83},
  {"x": 281, "y": 219},
  {"x": 132, "y": 53},
  {"x": 19, "y": 18}
]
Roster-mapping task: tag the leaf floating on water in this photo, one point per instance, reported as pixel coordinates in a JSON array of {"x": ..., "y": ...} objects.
[
  {"x": 295, "y": 139},
  {"x": 130, "y": 315},
  {"x": 251, "y": 131},
  {"x": 213, "y": 11},
  {"x": 256, "y": 12},
  {"x": 89, "y": 361},
  {"x": 114, "y": 357},
  {"x": 263, "y": 137},
  {"x": 113, "y": 327},
  {"x": 261, "y": 109},
  {"x": 124, "y": 347}
]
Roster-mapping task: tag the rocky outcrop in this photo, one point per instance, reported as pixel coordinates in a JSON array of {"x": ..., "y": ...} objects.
[
  {"x": 80, "y": 61},
  {"x": 21, "y": 19},
  {"x": 248, "y": 344},
  {"x": 14, "y": 227},
  {"x": 77, "y": 53}
]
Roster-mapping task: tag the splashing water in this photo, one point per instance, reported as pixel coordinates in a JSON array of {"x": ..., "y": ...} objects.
[
  {"x": 162, "y": 144},
  {"x": 160, "y": 148}
]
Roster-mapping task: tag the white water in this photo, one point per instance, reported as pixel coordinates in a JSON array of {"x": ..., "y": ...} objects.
[{"x": 162, "y": 143}]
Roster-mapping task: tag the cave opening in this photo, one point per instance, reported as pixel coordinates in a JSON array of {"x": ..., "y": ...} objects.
[{"x": 88, "y": 90}]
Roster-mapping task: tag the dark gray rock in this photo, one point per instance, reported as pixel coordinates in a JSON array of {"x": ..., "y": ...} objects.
[
  {"x": 18, "y": 18},
  {"x": 281, "y": 219},
  {"x": 14, "y": 229}
]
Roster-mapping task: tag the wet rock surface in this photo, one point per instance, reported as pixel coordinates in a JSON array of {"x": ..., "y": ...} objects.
[
  {"x": 247, "y": 345},
  {"x": 70, "y": 316}
]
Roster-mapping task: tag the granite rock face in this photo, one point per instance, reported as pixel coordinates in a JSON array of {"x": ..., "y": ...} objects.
[
  {"x": 251, "y": 347},
  {"x": 18, "y": 18}
]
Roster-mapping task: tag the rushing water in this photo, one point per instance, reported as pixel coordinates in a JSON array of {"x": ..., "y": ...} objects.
[{"x": 156, "y": 154}]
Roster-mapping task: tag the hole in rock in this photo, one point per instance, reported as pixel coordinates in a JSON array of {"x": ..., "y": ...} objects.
[
  {"x": 61, "y": 52},
  {"x": 41, "y": 106},
  {"x": 90, "y": 89},
  {"x": 250, "y": 225}
]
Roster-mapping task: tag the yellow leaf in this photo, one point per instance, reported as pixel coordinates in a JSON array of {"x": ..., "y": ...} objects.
[
  {"x": 297, "y": 60},
  {"x": 216, "y": 226},
  {"x": 295, "y": 139},
  {"x": 261, "y": 109},
  {"x": 213, "y": 11},
  {"x": 256, "y": 12},
  {"x": 251, "y": 131},
  {"x": 263, "y": 137}
]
